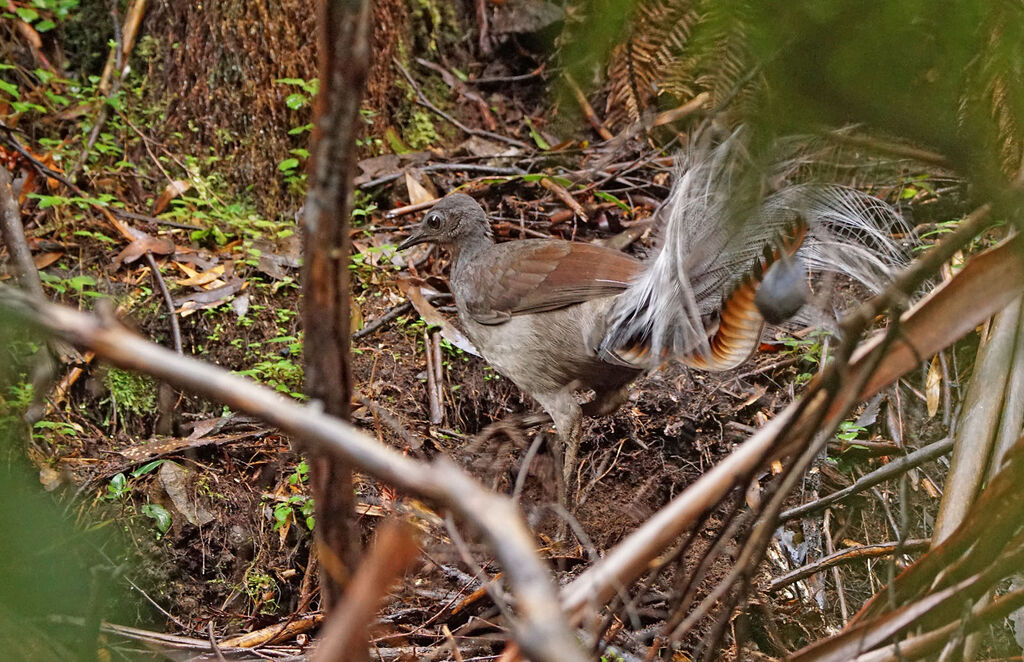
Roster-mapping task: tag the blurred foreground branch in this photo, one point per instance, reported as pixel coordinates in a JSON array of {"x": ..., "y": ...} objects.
[{"x": 541, "y": 632}]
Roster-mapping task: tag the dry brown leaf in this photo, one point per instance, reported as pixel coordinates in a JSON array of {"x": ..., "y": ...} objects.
[
  {"x": 933, "y": 384},
  {"x": 411, "y": 287},
  {"x": 202, "y": 278},
  {"x": 43, "y": 260},
  {"x": 141, "y": 244},
  {"x": 170, "y": 192},
  {"x": 355, "y": 316},
  {"x": 418, "y": 195},
  {"x": 30, "y": 34}
]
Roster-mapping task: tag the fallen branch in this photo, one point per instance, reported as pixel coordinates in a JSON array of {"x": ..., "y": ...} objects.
[
  {"x": 880, "y": 475},
  {"x": 846, "y": 556},
  {"x": 391, "y": 555},
  {"x": 541, "y": 631}
]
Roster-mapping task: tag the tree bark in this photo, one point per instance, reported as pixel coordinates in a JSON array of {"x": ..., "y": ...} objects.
[{"x": 344, "y": 63}]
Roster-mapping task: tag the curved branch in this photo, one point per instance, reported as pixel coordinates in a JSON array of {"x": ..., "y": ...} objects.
[{"x": 542, "y": 631}]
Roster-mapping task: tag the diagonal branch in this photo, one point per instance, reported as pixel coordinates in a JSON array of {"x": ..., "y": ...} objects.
[{"x": 542, "y": 631}]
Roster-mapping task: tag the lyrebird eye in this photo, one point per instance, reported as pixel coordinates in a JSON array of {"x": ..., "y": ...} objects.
[{"x": 433, "y": 221}]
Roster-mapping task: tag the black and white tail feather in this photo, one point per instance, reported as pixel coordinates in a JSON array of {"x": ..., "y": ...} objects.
[{"x": 714, "y": 253}]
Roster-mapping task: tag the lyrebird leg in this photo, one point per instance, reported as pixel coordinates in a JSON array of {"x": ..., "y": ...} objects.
[{"x": 568, "y": 418}]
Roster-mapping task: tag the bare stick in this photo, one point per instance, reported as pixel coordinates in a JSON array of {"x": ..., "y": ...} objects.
[
  {"x": 846, "y": 556},
  {"x": 541, "y": 630},
  {"x": 168, "y": 300},
  {"x": 13, "y": 234},
  {"x": 345, "y": 631},
  {"x": 882, "y": 474},
  {"x": 422, "y": 100},
  {"x": 588, "y": 110}
]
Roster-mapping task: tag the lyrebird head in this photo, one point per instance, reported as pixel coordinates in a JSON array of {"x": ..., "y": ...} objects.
[{"x": 453, "y": 220}]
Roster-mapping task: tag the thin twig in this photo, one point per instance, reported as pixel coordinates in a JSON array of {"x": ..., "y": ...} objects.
[
  {"x": 588, "y": 110},
  {"x": 422, "y": 100},
  {"x": 882, "y": 474},
  {"x": 213, "y": 642},
  {"x": 846, "y": 556},
  {"x": 837, "y": 576},
  {"x": 168, "y": 300},
  {"x": 395, "y": 312},
  {"x": 432, "y": 389},
  {"x": 497, "y": 171},
  {"x": 891, "y": 149}
]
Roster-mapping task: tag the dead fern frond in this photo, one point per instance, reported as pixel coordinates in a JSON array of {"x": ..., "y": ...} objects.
[{"x": 676, "y": 50}]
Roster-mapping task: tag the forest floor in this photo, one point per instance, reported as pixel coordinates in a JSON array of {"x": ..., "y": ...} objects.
[{"x": 215, "y": 508}]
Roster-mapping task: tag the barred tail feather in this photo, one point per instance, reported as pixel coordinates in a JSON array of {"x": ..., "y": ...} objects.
[{"x": 695, "y": 302}]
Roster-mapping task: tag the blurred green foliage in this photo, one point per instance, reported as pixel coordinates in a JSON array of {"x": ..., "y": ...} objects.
[
  {"x": 949, "y": 77},
  {"x": 57, "y": 581}
]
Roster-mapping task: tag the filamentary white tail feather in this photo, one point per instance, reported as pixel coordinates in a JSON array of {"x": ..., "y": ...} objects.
[{"x": 709, "y": 241}]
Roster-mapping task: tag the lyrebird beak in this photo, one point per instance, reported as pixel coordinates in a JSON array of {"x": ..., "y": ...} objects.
[{"x": 415, "y": 238}]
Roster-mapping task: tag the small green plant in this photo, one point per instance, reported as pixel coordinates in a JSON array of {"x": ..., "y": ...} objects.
[
  {"x": 300, "y": 475},
  {"x": 292, "y": 509},
  {"x": 262, "y": 591},
  {"x": 80, "y": 286},
  {"x": 59, "y": 428},
  {"x": 420, "y": 132},
  {"x": 161, "y": 518},
  {"x": 303, "y": 91},
  {"x": 809, "y": 349},
  {"x": 849, "y": 431},
  {"x": 120, "y": 486},
  {"x": 131, "y": 392},
  {"x": 117, "y": 488}
]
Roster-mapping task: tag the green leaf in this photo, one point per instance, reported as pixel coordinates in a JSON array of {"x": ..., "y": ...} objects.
[
  {"x": 147, "y": 468},
  {"x": 608, "y": 197},
  {"x": 288, "y": 164},
  {"x": 282, "y": 512},
  {"x": 45, "y": 26},
  {"x": 537, "y": 138},
  {"x": 10, "y": 88},
  {"x": 79, "y": 283},
  {"x": 161, "y": 518},
  {"x": 296, "y": 100},
  {"x": 117, "y": 486},
  {"x": 25, "y": 106},
  {"x": 26, "y": 14}
]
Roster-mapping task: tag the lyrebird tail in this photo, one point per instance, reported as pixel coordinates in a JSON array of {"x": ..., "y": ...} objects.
[{"x": 698, "y": 300}]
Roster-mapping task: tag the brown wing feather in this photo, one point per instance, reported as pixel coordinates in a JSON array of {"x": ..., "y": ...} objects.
[{"x": 533, "y": 276}]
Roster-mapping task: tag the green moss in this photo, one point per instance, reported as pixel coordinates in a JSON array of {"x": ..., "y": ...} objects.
[
  {"x": 421, "y": 133},
  {"x": 131, "y": 392}
]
